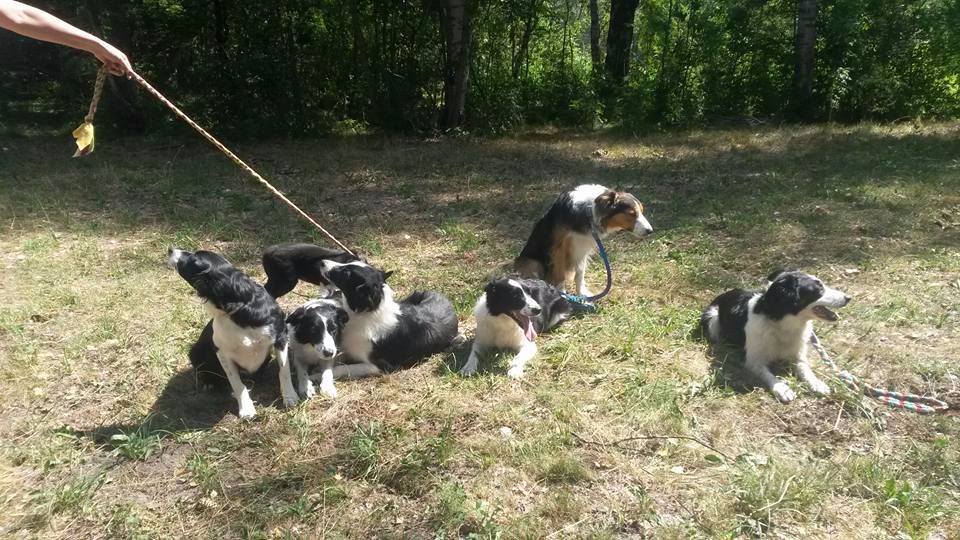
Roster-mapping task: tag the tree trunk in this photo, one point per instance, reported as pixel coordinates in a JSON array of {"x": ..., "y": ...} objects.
[
  {"x": 620, "y": 39},
  {"x": 595, "y": 58},
  {"x": 806, "y": 40},
  {"x": 455, "y": 25}
]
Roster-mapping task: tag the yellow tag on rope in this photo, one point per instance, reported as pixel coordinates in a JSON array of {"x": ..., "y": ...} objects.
[
  {"x": 84, "y": 133},
  {"x": 84, "y": 137}
]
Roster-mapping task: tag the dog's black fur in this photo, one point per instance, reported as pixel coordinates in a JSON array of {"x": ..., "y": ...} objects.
[
  {"x": 505, "y": 299},
  {"x": 227, "y": 289},
  {"x": 425, "y": 324},
  {"x": 285, "y": 264}
]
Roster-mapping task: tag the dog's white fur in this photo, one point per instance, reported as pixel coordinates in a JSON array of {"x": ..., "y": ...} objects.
[
  {"x": 770, "y": 340},
  {"x": 306, "y": 354},
  {"x": 503, "y": 333}
]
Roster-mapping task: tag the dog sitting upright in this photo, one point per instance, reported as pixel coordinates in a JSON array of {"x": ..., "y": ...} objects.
[
  {"x": 247, "y": 324},
  {"x": 315, "y": 331},
  {"x": 774, "y": 324},
  {"x": 286, "y": 264},
  {"x": 382, "y": 334},
  {"x": 510, "y": 313},
  {"x": 561, "y": 242}
]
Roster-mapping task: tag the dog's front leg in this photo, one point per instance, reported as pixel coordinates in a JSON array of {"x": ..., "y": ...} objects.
[
  {"x": 526, "y": 353},
  {"x": 327, "y": 387},
  {"x": 471, "y": 366},
  {"x": 304, "y": 383},
  {"x": 240, "y": 392},
  {"x": 580, "y": 279},
  {"x": 802, "y": 368},
  {"x": 289, "y": 394},
  {"x": 777, "y": 386}
]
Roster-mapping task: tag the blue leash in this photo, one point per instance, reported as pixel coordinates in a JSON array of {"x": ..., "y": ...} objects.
[{"x": 586, "y": 304}]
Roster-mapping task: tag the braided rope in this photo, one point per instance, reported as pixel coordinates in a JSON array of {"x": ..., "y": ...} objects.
[
  {"x": 97, "y": 92},
  {"x": 226, "y": 151},
  {"x": 911, "y": 402}
]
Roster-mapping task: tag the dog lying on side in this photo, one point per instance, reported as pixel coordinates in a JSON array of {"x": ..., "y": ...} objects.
[
  {"x": 561, "y": 242},
  {"x": 382, "y": 334},
  {"x": 774, "y": 324},
  {"x": 315, "y": 330},
  {"x": 510, "y": 313},
  {"x": 247, "y": 325},
  {"x": 286, "y": 264}
]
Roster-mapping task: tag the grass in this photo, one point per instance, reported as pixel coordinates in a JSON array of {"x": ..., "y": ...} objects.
[{"x": 105, "y": 433}]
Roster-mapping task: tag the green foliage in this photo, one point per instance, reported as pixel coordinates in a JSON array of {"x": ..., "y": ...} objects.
[{"x": 307, "y": 67}]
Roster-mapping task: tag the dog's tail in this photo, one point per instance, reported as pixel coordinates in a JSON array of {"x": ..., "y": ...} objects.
[{"x": 710, "y": 323}]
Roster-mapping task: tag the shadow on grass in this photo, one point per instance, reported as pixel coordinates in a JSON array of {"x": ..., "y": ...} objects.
[{"x": 183, "y": 406}]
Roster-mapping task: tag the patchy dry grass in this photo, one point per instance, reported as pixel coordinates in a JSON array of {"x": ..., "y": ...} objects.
[{"x": 103, "y": 433}]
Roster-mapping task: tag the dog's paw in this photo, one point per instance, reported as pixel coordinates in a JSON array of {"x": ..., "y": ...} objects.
[
  {"x": 290, "y": 399},
  {"x": 247, "y": 410},
  {"x": 585, "y": 292},
  {"x": 783, "y": 392},
  {"x": 516, "y": 372},
  {"x": 329, "y": 390},
  {"x": 308, "y": 390},
  {"x": 819, "y": 387},
  {"x": 468, "y": 370}
]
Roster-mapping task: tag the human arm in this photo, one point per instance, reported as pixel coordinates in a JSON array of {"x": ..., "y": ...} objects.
[{"x": 35, "y": 23}]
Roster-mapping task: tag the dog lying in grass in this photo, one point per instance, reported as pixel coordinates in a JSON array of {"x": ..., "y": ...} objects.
[
  {"x": 774, "y": 324},
  {"x": 382, "y": 334},
  {"x": 510, "y": 313}
]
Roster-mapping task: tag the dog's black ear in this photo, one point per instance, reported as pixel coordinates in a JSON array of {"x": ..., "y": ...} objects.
[
  {"x": 772, "y": 276},
  {"x": 342, "y": 317},
  {"x": 295, "y": 317},
  {"x": 782, "y": 297},
  {"x": 387, "y": 274}
]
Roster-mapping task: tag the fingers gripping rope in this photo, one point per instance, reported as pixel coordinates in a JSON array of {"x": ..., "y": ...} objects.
[
  {"x": 910, "y": 402},
  {"x": 98, "y": 89}
]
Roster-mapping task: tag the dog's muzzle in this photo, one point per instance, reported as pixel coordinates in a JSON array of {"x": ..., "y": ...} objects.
[{"x": 173, "y": 256}]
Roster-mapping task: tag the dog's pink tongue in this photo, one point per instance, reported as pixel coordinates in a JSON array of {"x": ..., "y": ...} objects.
[{"x": 529, "y": 332}]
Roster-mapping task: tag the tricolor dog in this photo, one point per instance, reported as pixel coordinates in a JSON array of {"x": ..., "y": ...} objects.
[
  {"x": 562, "y": 240},
  {"x": 774, "y": 324}
]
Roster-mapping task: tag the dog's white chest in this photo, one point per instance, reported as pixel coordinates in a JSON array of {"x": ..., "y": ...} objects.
[
  {"x": 581, "y": 246},
  {"x": 500, "y": 332},
  {"x": 365, "y": 329},
  {"x": 245, "y": 347}
]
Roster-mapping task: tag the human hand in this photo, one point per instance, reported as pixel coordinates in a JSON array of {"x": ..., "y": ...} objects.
[{"x": 116, "y": 61}]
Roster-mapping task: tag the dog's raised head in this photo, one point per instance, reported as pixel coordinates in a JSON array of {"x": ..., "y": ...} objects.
[
  {"x": 508, "y": 297},
  {"x": 319, "y": 323},
  {"x": 621, "y": 211},
  {"x": 364, "y": 287},
  {"x": 792, "y": 292},
  {"x": 217, "y": 282}
]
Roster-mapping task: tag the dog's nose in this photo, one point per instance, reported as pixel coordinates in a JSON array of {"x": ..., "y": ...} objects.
[
  {"x": 846, "y": 299},
  {"x": 328, "y": 352},
  {"x": 536, "y": 310}
]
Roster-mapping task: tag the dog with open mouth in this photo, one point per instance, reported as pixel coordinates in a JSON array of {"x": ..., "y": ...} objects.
[
  {"x": 775, "y": 324},
  {"x": 510, "y": 313}
]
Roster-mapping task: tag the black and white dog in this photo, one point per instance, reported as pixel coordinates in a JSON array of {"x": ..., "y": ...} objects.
[
  {"x": 510, "y": 313},
  {"x": 315, "y": 330},
  {"x": 382, "y": 334},
  {"x": 286, "y": 264},
  {"x": 774, "y": 324},
  {"x": 247, "y": 324}
]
